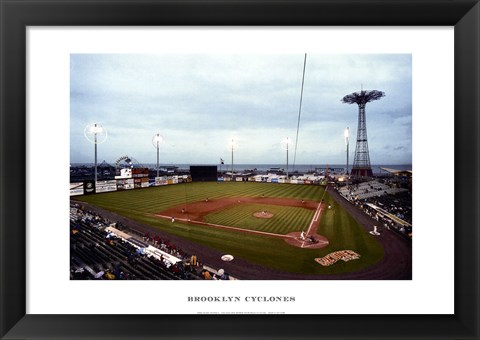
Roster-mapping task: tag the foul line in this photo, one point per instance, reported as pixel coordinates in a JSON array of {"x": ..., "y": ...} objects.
[
  {"x": 225, "y": 227},
  {"x": 316, "y": 216}
]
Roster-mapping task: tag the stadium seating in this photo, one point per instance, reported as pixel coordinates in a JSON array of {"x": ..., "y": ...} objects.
[
  {"x": 98, "y": 254},
  {"x": 390, "y": 198}
]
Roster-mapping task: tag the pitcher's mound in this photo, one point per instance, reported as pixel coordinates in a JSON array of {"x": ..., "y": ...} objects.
[{"x": 263, "y": 214}]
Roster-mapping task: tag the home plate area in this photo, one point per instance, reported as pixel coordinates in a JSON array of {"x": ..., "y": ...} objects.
[{"x": 301, "y": 240}]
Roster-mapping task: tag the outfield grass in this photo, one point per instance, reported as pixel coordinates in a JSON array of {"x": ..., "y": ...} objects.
[{"x": 342, "y": 231}]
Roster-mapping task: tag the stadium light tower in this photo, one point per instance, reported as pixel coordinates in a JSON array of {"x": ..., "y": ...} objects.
[
  {"x": 156, "y": 141},
  {"x": 232, "y": 144},
  {"x": 361, "y": 161},
  {"x": 95, "y": 134},
  {"x": 346, "y": 134},
  {"x": 286, "y": 141}
]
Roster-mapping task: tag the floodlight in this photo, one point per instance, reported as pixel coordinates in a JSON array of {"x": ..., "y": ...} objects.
[
  {"x": 232, "y": 143},
  {"x": 95, "y": 133},
  {"x": 285, "y": 142},
  {"x": 157, "y": 139},
  {"x": 95, "y": 129}
]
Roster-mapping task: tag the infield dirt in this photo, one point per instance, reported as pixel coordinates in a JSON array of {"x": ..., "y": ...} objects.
[
  {"x": 195, "y": 213},
  {"x": 198, "y": 210}
]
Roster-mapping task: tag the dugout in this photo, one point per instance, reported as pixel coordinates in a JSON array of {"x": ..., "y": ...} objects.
[{"x": 203, "y": 173}]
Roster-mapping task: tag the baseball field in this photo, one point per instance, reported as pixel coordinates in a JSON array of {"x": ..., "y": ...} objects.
[{"x": 284, "y": 227}]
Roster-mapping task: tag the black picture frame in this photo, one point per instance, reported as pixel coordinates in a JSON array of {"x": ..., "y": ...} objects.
[{"x": 17, "y": 15}]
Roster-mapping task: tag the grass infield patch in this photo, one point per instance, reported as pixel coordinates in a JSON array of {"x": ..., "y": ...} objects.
[{"x": 283, "y": 221}]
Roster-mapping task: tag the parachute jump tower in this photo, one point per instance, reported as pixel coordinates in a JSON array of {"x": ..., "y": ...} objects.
[{"x": 361, "y": 163}]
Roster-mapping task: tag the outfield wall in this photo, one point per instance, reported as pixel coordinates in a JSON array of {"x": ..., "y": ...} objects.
[
  {"x": 274, "y": 179},
  {"x": 90, "y": 187}
]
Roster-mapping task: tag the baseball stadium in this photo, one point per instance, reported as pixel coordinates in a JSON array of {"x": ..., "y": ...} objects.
[
  {"x": 254, "y": 216},
  {"x": 244, "y": 228}
]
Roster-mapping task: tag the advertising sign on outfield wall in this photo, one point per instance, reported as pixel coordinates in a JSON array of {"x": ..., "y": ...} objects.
[
  {"x": 106, "y": 186},
  {"x": 144, "y": 182},
  {"x": 137, "y": 183},
  {"x": 89, "y": 187},
  {"x": 124, "y": 184},
  {"x": 129, "y": 183},
  {"x": 76, "y": 189},
  {"x": 161, "y": 181},
  {"x": 120, "y": 184}
]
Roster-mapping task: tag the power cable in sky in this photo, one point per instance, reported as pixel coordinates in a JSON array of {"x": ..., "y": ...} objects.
[{"x": 299, "y": 112}]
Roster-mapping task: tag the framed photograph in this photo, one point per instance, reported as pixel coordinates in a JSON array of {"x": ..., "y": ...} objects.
[{"x": 163, "y": 117}]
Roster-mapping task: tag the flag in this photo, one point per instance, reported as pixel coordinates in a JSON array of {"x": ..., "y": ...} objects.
[{"x": 221, "y": 161}]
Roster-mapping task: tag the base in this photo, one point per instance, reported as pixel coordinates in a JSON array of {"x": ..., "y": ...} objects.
[{"x": 361, "y": 172}]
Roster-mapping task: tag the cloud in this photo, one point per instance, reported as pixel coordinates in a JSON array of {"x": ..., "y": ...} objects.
[{"x": 198, "y": 101}]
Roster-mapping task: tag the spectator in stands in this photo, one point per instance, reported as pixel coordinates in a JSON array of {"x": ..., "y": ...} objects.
[
  {"x": 206, "y": 275},
  {"x": 193, "y": 260},
  {"x": 109, "y": 276}
]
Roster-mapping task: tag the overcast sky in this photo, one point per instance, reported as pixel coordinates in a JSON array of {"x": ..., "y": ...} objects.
[{"x": 199, "y": 102}]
